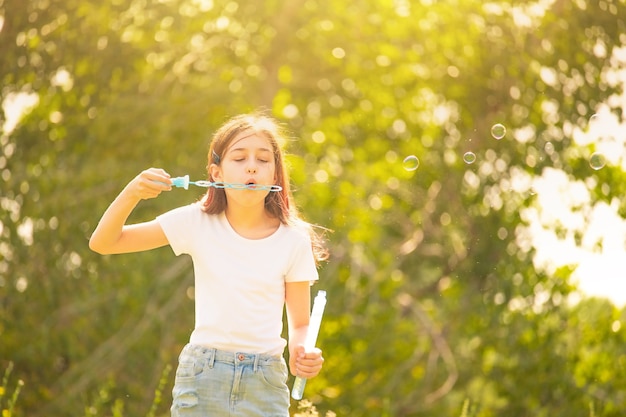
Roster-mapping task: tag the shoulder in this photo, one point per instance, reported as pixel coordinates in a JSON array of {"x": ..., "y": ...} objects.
[
  {"x": 190, "y": 213},
  {"x": 193, "y": 208},
  {"x": 313, "y": 236},
  {"x": 298, "y": 232}
]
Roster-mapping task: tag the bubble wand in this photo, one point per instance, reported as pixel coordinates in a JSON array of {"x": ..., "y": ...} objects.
[
  {"x": 311, "y": 338},
  {"x": 183, "y": 182}
]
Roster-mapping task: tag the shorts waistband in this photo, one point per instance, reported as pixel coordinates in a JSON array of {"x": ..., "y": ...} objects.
[{"x": 236, "y": 358}]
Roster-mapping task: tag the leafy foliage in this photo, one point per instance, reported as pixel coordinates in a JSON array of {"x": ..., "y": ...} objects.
[{"x": 436, "y": 300}]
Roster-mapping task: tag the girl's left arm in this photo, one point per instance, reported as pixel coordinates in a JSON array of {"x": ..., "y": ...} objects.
[{"x": 298, "y": 301}]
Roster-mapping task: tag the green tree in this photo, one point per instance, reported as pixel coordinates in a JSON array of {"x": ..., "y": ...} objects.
[{"x": 435, "y": 296}]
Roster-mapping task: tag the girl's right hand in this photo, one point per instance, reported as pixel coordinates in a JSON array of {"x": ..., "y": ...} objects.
[{"x": 149, "y": 184}]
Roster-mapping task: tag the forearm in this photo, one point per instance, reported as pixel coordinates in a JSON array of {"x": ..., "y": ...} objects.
[
  {"x": 113, "y": 236},
  {"x": 297, "y": 337},
  {"x": 302, "y": 363},
  {"x": 109, "y": 229}
]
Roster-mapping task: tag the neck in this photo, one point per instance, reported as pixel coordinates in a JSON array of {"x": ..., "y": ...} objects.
[
  {"x": 250, "y": 216},
  {"x": 251, "y": 222}
]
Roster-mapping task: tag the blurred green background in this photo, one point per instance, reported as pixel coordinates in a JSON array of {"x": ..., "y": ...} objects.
[{"x": 443, "y": 294}]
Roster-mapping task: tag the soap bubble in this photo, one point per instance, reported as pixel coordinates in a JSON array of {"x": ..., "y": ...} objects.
[
  {"x": 469, "y": 157},
  {"x": 411, "y": 163},
  {"x": 498, "y": 131},
  {"x": 597, "y": 161}
]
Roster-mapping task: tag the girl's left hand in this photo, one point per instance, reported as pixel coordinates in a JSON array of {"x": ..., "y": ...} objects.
[{"x": 306, "y": 364}]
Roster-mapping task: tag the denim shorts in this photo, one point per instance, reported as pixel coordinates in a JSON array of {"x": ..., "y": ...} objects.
[{"x": 216, "y": 383}]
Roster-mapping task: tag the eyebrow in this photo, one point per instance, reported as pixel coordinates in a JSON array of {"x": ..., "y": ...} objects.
[{"x": 246, "y": 149}]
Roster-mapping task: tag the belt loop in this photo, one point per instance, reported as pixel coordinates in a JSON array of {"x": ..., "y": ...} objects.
[
  {"x": 212, "y": 358},
  {"x": 256, "y": 362}
]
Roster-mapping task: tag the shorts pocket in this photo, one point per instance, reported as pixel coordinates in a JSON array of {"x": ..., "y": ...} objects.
[
  {"x": 275, "y": 374},
  {"x": 189, "y": 366}
]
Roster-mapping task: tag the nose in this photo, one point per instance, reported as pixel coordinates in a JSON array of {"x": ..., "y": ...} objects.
[{"x": 251, "y": 169}]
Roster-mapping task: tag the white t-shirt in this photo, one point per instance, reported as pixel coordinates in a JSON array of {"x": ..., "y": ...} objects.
[{"x": 239, "y": 282}]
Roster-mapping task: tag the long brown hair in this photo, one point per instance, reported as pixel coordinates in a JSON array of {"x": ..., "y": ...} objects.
[{"x": 279, "y": 204}]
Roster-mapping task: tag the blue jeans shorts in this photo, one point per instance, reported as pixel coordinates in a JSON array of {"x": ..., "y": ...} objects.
[{"x": 216, "y": 383}]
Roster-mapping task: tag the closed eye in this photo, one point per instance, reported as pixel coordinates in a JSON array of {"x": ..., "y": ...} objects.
[{"x": 264, "y": 161}]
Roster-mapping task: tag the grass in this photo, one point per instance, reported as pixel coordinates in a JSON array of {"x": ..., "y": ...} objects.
[
  {"x": 9, "y": 396},
  {"x": 7, "y": 400}
]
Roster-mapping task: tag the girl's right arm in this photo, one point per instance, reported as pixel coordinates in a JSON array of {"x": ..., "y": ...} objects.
[{"x": 113, "y": 235}]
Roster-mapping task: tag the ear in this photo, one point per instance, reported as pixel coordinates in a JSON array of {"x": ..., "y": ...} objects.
[{"x": 215, "y": 173}]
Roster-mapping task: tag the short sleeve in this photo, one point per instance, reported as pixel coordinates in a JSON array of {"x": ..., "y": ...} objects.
[
  {"x": 176, "y": 224},
  {"x": 302, "y": 267}
]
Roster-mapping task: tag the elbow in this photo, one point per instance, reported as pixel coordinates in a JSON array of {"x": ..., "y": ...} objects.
[{"x": 96, "y": 247}]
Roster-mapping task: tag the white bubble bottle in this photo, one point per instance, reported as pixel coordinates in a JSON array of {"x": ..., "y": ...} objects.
[{"x": 311, "y": 338}]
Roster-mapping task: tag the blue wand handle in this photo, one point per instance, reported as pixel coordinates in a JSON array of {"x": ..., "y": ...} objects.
[
  {"x": 311, "y": 338},
  {"x": 183, "y": 182}
]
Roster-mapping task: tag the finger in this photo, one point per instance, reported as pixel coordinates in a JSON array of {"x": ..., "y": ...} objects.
[
  {"x": 308, "y": 372},
  {"x": 156, "y": 174},
  {"x": 153, "y": 187},
  {"x": 146, "y": 189},
  {"x": 156, "y": 182},
  {"x": 313, "y": 354},
  {"x": 312, "y": 357},
  {"x": 319, "y": 361},
  {"x": 309, "y": 367},
  {"x": 311, "y": 363}
]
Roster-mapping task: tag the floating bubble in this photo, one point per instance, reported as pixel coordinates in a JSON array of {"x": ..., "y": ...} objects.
[
  {"x": 411, "y": 163},
  {"x": 593, "y": 123},
  {"x": 498, "y": 131},
  {"x": 469, "y": 157},
  {"x": 597, "y": 161}
]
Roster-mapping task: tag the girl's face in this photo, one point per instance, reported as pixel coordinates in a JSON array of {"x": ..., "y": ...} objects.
[{"x": 249, "y": 159}]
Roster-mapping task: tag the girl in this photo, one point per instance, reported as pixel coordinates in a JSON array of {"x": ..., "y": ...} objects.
[{"x": 252, "y": 255}]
